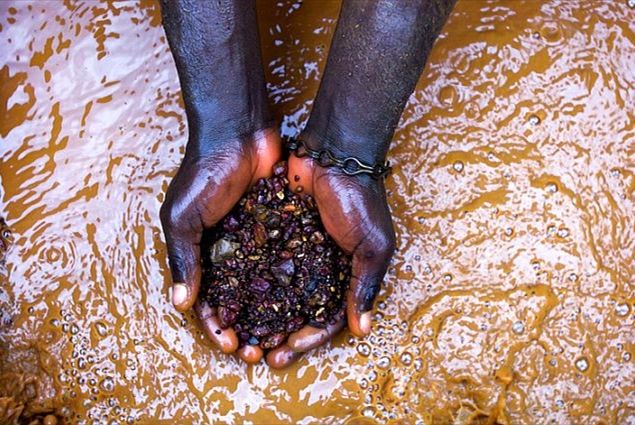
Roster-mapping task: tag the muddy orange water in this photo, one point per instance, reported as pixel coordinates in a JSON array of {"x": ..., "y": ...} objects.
[{"x": 510, "y": 300}]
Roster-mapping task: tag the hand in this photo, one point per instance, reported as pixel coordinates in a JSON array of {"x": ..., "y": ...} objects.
[
  {"x": 207, "y": 185},
  {"x": 356, "y": 215}
]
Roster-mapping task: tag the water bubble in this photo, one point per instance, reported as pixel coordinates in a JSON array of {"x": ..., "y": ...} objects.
[
  {"x": 421, "y": 220},
  {"x": 65, "y": 327},
  {"x": 509, "y": 231},
  {"x": 417, "y": 257},
  {"x": 384, "y": 362},
  {"x": 458, "y": 166},
  {"x": 553, "y": 362},
  {"x": 74, "y": 329},
  {"x": 81, "y": 363},
  {"x": 101, "y": 329},
  {"x": 363, "y": 349},
  {"x": 631, "y": 4},
  {"x": 622, "y": 309},
  {"x": 626, "y": 356},
  {"x": 63, "y": 378},
  {"x": 573, "y": 277},
  {"x": 408, "y": 268},
  {"x": 518, "y": 327},
  {"x": 372, "y": 376},
  {"x": 534, "y": 119},
  {"x": 551, "y": 230},
  {"x": 560, "y": 403},
  {"x": 368, "y": 411},
  {"x": 563, "y": 232},
  {"x": 415, "y": 339},
  {"x": 406, "y": 358},
  {"x": 363, "y": 383},
  {"x": 552, "y": 188},
  {"x": 582, "y": 364},
  {"x": 55, "y": 322},
  {"x": 427, "y": 269},
  {"x": 418, "y": 363},
  {"x": 447, "y": 277},
  {"x": 107, "y": 384}
]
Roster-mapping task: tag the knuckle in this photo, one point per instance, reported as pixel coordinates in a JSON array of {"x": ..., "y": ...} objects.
[
  {"x": 168, "y": 220},
  {"x": 380, "y": 247}
]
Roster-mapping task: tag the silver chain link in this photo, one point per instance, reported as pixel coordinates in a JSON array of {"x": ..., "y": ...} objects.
[{"x": 350, "y": 166}]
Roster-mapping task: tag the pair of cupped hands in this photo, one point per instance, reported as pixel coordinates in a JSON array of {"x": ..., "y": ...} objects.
[{"x": 210, "y": 181}]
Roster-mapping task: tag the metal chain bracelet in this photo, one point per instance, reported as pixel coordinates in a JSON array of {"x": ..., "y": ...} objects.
[{"x": 350, "y": 166}]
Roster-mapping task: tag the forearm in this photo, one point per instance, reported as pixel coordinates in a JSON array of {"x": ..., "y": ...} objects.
[
  {"x": 217, "y": 54},
  {"x": 377, "y": 55}
]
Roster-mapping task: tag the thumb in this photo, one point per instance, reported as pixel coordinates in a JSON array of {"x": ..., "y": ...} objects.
[
  {"x": 370, "y": 262},
  {"x": 184, "y": 256}
]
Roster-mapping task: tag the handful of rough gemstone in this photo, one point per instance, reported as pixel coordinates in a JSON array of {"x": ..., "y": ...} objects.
[{"x": 270, "y": 268}]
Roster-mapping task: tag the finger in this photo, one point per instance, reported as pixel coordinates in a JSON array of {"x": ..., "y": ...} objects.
[
  {"x": 225, "y": 339},
  {"x": 301, "y": 175},
  {"x": 282, "y": 357},
  {"x": 268, "y": 152},
  {"x": 183, "y": 257},
  {"x": 310, "y": 337},
  {"x": 250, "y": 353},
  {"x": 370, "y": 262}
]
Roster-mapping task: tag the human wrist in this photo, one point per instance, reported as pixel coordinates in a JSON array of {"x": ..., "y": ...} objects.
[
  {"x": 326, "y": 157},
  {"x": 344, "y": 144},
  {"x": 209, "y": 129}
]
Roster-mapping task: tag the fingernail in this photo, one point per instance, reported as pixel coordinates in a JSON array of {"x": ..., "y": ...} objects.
[
  {"x": 365, "y": 322},
  {"x": 179, "y": 294}
]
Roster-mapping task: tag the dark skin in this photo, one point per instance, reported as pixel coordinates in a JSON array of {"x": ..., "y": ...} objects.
[{"x": 377, "y": 54}]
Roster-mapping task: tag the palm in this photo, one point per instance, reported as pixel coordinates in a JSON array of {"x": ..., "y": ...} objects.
[
  {"x": 355, "y": 213},
  {"x": 204, "y": 190}
]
